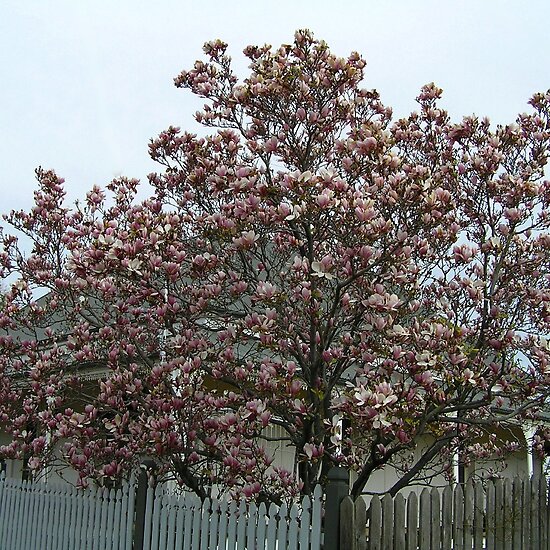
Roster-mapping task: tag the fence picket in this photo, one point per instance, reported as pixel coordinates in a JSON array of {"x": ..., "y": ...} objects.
[
  {"x": 387, "y": 522},
  {"x": 292, "y": 543},
  {"x": 468, "y": 515},
  {"x": 59, "y": 528},
  {"x": 5, "y": 513},
  {"x": 129, "y": 510},
  {"x": 52, "y": 513},
  {"x": 205, "y": 518},
  {"x": 508, "y": 515},
  {"x": 222, "y": 524},
  {"x": 55, "y": 518},
  {"x": 19, "y": 513},
  {"x": 195, "y": 536},
  {"x": 2, "y": 506},
  {"x": 20, "y": 504},
  {"x": 62, "y": 520},
  {"x": 458, "y": 524},
  {"x": 59, "y": 511},
  {"x": 116, "y": 519},
  {"x": 272, "y": 527},
  {"x": 158, "y": 499},
  {"x": 516, "y": 512},
  {"x": 70, "y": 516},
  {"x": 18, "y": 525},
  {"x": 82, "y": 519},
  {"x": 412, "y": 522},
  {"x": 26, "y": 539},
  {"x": 214, "y": 540},
  {"x": 526, "y": 520},
  {"x": 347, "y": 524},
  {"x": 490, "y": 517},
  {"x": 316, "y": 514},
  {"x": 305, "y": 522},
  {"x": 251, "y": 526},
  {"x": 10, "y": 515},
  {"x": 16, "y": 512},
  {"x": 34, "y": 521},
  {"x": 282, "y": 527},
  {"x": 399, "y": 527},
  {"x": 43, "y": 495},
  {"x": 435, "y": 515},
  {"x": 86, "y": 506},
  {"x": 176, "y": 524},
  {"x": 446, "y": 517},
  {"x": 50, "y": 509},
  {"x": 111, "y": 502},
  {"x": 360, "y": 524},
  {"x": 499, "y": 513},
  {"x": 241, "y": 527},
  {"x": 479, "y": 514},
  {"x": 103, "y": 504},
  {"x": 261, "y": 529},
  {"x": 31, "y": 538},
  {"x": 187, "y": 522},
  {"x": 543, "y": 503},
  {"x": 232, "y": 526},
  {"x": 178, "y": 528},
  {"x": 16, "y": 516},
  {"x": 375, "y": 523},
  {"x": 425, "y": 521},
  {"x": 13, "y": 524},
  {"x": 148, "y": 517},
  {"x": 535, "y": 533},
  {"x": 160, "y": 521},
  {"x": 126, "y": 517},
  {"x": 98, "y": 505}
]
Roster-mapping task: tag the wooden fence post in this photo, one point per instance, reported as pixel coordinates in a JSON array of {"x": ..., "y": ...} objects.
[
  {"x": 337, "y": 489},
  {"x": 141, "y": 503}
]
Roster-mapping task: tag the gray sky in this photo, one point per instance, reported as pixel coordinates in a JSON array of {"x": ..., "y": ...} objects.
[{"x": 85, "y": 84}]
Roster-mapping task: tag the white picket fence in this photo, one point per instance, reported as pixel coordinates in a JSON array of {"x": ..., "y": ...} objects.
[
  {"x": 57, "y": 516},
  {"x": 183, "y": 522},
  {"x": 50, "y": 516}
]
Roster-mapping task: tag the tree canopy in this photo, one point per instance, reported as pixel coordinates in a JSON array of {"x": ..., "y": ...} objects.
[{"x": 311, "y": 263}]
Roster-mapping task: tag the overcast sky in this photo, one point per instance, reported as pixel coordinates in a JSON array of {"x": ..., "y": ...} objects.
[{"x": 85, "y": 84}]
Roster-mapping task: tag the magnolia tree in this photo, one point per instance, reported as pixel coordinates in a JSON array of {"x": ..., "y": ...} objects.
[{"x": 308, "y": 265}]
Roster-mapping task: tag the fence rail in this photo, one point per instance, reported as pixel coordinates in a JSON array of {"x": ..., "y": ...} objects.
[
  {"x": 59, "y": 517},
  {"x": 494, "y": 515}
]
